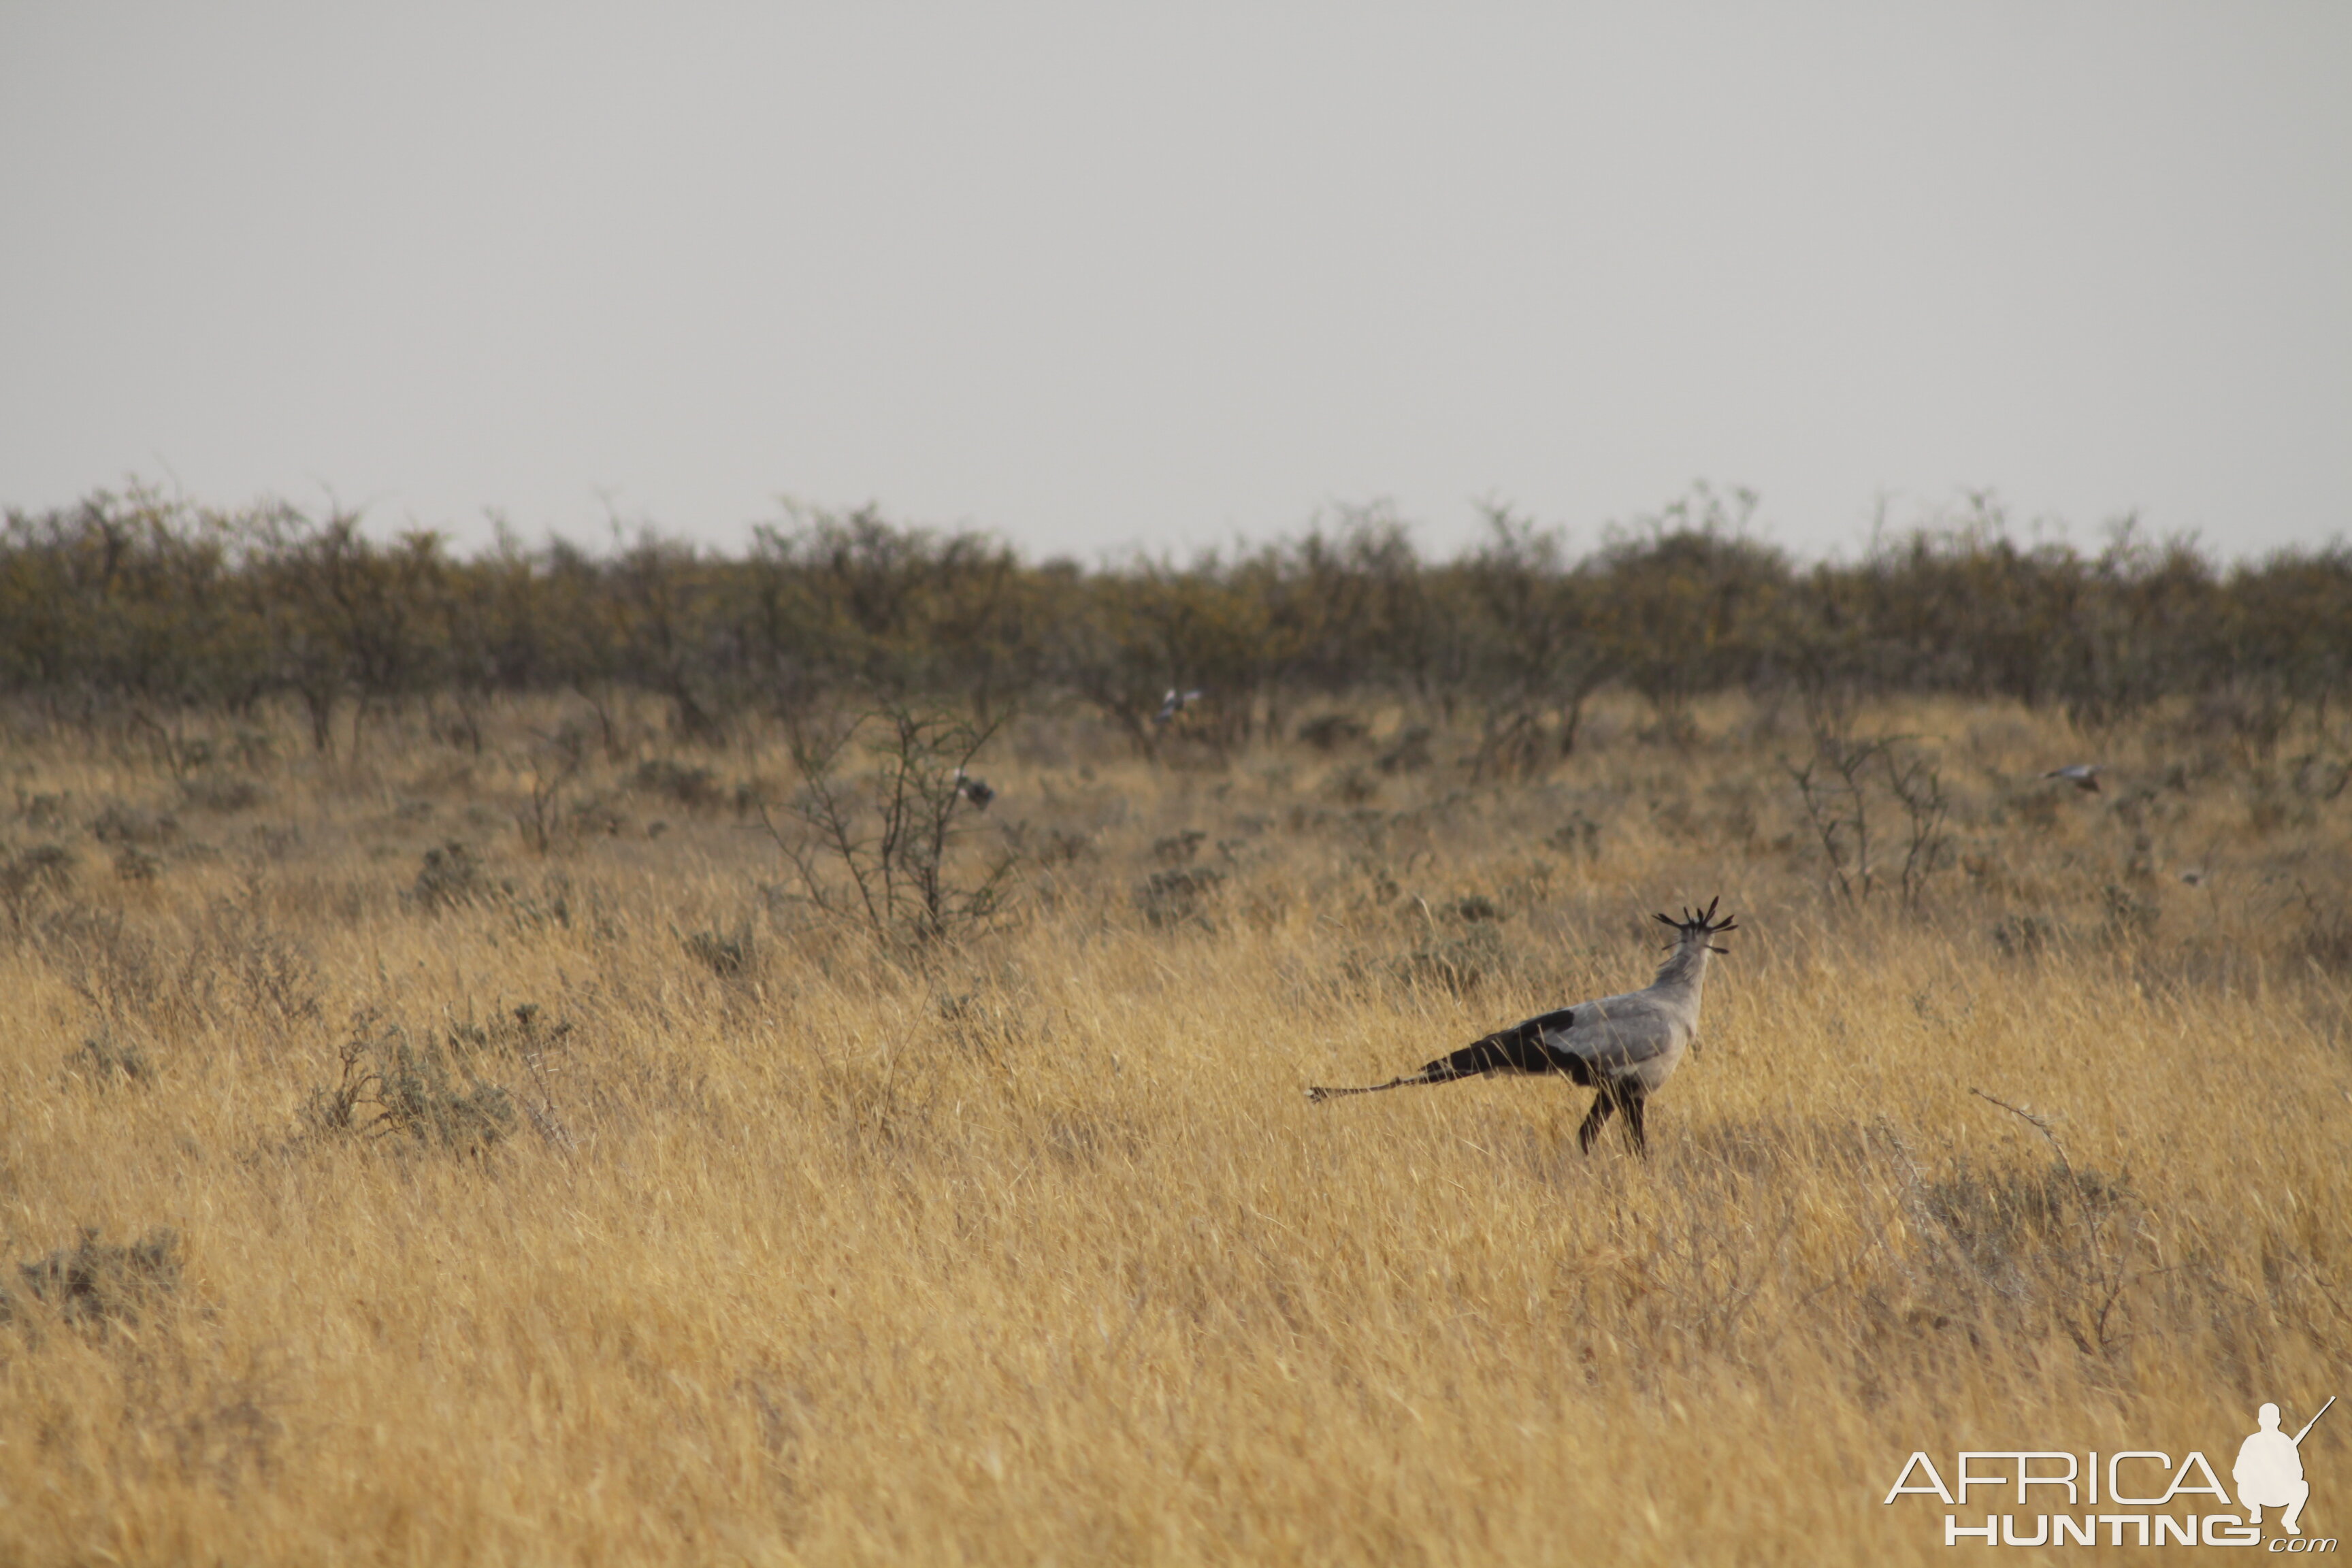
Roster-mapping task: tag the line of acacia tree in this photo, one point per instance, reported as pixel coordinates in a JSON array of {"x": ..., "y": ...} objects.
[{"x": 136, "y": 604}]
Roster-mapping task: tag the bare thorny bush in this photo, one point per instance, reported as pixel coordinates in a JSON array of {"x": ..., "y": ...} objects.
[
  {"x": 2006, "y": 1241},
  {"x": 1847, "y": 779},
  {"x": 876, "y": 849},
  {"x": 541, "y": 818},
  {"x": 422, "y": 1090}
]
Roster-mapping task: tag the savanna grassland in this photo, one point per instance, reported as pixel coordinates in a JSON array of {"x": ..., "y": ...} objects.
[{"x": 497, "y": 1153}]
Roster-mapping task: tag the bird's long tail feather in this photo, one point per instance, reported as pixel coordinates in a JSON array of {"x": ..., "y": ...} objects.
[{"x": 1318, "y": 1094}]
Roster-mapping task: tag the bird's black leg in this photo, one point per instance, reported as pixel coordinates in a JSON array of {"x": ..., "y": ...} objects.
[
  {"x": 1603, "y": 1104},
  {"x": 1634, "y": 1106}
]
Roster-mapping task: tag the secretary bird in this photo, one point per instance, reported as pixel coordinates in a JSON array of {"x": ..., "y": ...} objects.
[{"x": 1625, "y": 1047}]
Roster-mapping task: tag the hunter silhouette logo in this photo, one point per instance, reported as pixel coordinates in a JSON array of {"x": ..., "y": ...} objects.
[
  {"x": 2269, "y": 1471},
  {"x": 2268, "y": 1475}
]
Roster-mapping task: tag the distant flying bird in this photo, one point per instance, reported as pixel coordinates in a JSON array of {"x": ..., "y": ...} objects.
[
  {"x": 1625, "y": 1047},
  {"x": 1175, "y": 702},
  {"x": 2082, "y": 776},
  {"x": 973, "y": 790}
]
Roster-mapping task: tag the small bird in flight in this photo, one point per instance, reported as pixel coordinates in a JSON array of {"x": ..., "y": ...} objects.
[
  {"x": 974, "y": 789},
  {"x": 2082, "y": 776},
  {"x": 1175, "y": 702}
]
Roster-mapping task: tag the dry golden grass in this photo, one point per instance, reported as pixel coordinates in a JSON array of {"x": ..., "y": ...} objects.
[{"x": 1031, "y": 1250}]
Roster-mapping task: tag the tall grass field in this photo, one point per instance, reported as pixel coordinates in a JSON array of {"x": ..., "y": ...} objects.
[{"x": 557, "y": 1146}]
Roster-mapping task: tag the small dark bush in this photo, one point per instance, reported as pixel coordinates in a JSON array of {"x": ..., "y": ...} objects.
[
  {"x": 1460, "y": 964},
  {"x": 2024, "y": 936},
  {"x": 242, "y": 964},
  {"x": 2039, "y": 809},
  {"x": 420, "y": 1099},
  {"x": 93, "y": 1283},
  {"x": 391, "y": 1088},
  {"x": 450, "y": 876},
  {"x": 1408, "y": 753},
  {"x": 43, "y": 868},
  {"x": 2320, "y": 778},
  {"x": 694, "y": 788},
  {"x": 2035, "y": 1231},
  {"x": 982, "y": 1028},
  {"x": 1062, "y": 847},
  {"x": 727, "y": 954},
  {"x": 108, "y": 960},
  {"x": 222, "y": 792},
  {"x": 517, "y": 1032},
  {"x": 1179, "y": 849},
  {"x": 121, "y": 825},
  {"x": 2327, "y": 937},
  {"x": 1173, "y": 897},
  {"x": 103, "y": 1060},
  {"x": 133, "y": 863},
  {"x": 594, "y": 816},
  {"x": 1579, "y": 835},
  {"x": 41, "y": 810},
  {"x": 1329, "y": 732},
  {"x": 277, "y": 841},
  {"x": 2130, "y": 917},
  {"x": 552, "y": 905}
]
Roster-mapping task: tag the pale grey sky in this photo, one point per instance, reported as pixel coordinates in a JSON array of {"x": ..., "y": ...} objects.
[{"x": 1100, "y": 275}]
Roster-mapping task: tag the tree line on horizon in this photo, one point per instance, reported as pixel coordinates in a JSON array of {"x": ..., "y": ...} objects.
[{"x": 135, "y": 603}]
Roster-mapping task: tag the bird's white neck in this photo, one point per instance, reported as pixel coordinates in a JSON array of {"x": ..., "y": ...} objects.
[{"x": 1685, "y": 969}]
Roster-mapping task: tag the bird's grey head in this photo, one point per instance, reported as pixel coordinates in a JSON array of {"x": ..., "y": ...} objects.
[{"x": 1700, "y": 925}]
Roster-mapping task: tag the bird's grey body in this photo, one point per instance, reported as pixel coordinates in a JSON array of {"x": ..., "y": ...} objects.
[{"x": 1625, "y": 1047}]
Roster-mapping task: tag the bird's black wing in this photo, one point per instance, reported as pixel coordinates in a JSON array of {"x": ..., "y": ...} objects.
[{"x": 1520, "y": 1049}]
